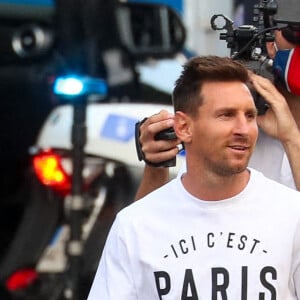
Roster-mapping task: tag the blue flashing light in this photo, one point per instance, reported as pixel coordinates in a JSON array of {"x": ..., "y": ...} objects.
[
  {"x": 68, "y": 86},
  {"x": 72, "y": 86}
]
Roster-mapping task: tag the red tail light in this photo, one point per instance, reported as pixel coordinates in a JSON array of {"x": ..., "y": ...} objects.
[
  {"x": 21, "y": 279},
  {"x": 48, "y": 168}
]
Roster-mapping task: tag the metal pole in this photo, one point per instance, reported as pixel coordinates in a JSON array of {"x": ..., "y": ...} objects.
[
  {"x": 75, "y": 244},
  {"x": 84, "y": 28},
  {"x": 71, "y": 39}
]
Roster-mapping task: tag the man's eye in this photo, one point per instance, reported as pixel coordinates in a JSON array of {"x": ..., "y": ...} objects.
[
  {"x": 251, "y": 115},
  {"x": 227, "y": 114}
]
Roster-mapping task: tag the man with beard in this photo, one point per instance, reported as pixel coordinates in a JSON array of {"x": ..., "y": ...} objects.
[{"x": 209, "y": 233}]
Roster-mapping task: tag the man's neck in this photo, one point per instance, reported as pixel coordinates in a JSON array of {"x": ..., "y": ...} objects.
[{"x": 212, "y": 187}]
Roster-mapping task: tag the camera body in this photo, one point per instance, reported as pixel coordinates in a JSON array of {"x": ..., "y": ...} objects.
[{"x": 247, "y": 42}]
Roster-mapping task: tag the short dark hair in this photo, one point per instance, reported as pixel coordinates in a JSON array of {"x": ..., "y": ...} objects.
[{"x": 187, "y": 91}]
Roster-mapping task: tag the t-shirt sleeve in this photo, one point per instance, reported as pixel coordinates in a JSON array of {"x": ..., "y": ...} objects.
[{"x": 113, "y": 279}]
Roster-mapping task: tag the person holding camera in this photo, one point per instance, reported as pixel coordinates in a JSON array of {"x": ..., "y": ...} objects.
[
  {"x": 209, "y": 233},
  {"x": 278, "y": 147}
]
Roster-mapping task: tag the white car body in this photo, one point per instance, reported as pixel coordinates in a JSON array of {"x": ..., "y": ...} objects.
[{"x": 110, "y": 131}]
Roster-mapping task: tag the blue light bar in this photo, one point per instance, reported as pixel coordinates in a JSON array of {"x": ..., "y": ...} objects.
[{"x": 72, "y": 86}]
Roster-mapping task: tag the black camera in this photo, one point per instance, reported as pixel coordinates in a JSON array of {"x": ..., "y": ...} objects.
[{"x": 248, "y": 42}]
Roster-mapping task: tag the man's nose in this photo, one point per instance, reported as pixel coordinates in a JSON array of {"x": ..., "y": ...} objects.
[{"x": 241, "y": 125}]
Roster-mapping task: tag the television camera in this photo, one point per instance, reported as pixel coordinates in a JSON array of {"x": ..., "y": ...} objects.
[{"x": 247, "y": 42}]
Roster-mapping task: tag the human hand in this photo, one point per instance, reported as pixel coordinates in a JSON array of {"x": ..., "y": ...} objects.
[
  {"x": 278, "y": 121},
  {"x": 156, "y": 151}
]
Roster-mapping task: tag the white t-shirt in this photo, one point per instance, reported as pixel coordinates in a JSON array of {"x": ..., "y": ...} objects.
[{"x": 171, "y": 245}]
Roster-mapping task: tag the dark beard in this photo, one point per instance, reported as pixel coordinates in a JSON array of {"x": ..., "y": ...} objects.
[{"x": 224, "y": 170}]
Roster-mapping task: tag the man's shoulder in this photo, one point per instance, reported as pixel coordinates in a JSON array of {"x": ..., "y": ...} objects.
[
  {"x": 272, "y": 189},
  {"x": 154, "y": 202}
]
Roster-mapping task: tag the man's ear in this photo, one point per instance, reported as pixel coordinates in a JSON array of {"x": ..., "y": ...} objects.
[{"x": 183, "y": 126}]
